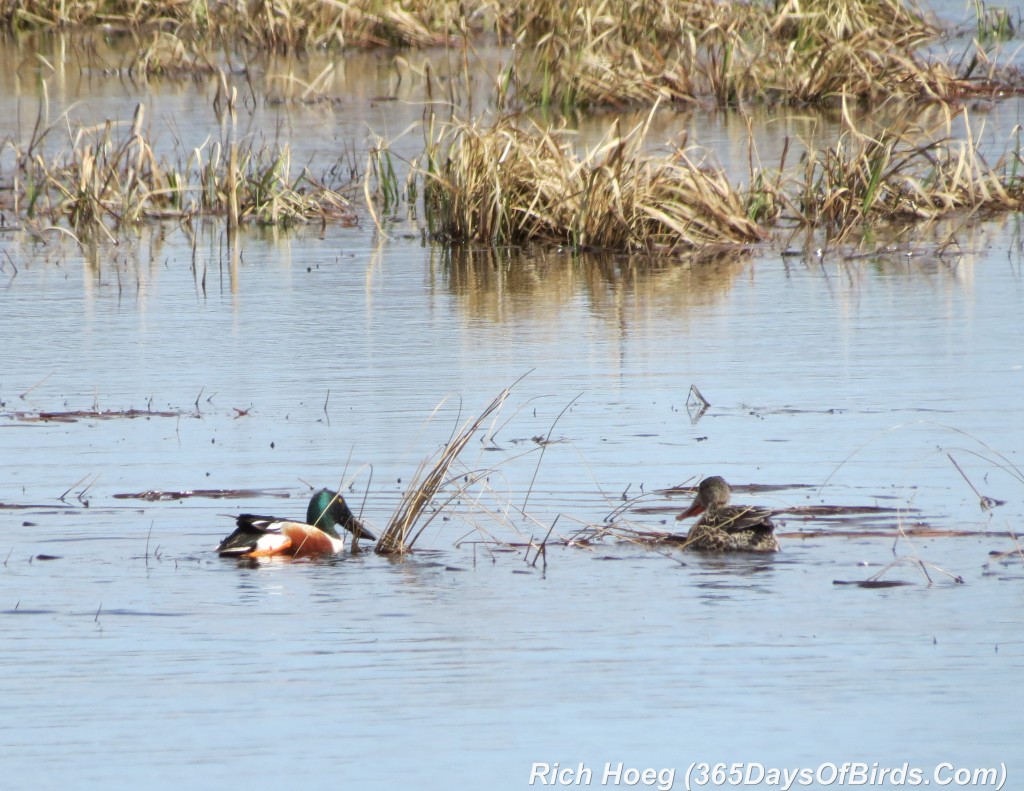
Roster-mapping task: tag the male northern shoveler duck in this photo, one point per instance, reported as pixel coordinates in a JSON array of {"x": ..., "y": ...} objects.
[
  {"x": 728, "y": 528},
  {"x": 259, "y": 536}
]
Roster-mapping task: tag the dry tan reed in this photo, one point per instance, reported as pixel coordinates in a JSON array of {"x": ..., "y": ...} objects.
[
  {"x": 582, "y": 53},
  {"x": 106, "y": 177},
  {"x": 589, "y": 52},
  {"x": 167, "y": 54},
  {"x": 902, "y": 172},
  {"x": 430, "y": 480},
  {"x": 286, "y": 25},
  {"x": 510, "y": 183}
]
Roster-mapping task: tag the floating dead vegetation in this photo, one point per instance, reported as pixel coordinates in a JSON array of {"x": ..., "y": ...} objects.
[
  {"x": 841, "y": 520},
  {"x": 159, "y": 495},
  {"x": 911, "y": 531},
  {"x": 1004, "y": 559},
  {"x": 74, "y": 415},
  {"x": 34, "y": 506},
  {"x": 824, "y": 511},
  {"x": 514, "y": 182},
  {"x": 1004, "y": 555},
  {"x": 636, "y": 535}
]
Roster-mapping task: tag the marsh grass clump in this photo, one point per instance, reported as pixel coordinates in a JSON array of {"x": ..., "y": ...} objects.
[
  {"x": 580, "y": 54},
  {"x": 166, "y": 54},
  {"x": 821, "y": 51},
  {"x": 573, "y": 54},
  {"x": 584, "y": 54},
  {"x": 511, "y": 183},
  {"x": 902, "y": 172},
  {"x": 105, "y": 177},
  {"x": 285, "y": 26}
]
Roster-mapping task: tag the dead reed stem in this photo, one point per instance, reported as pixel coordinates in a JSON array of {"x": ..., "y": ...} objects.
[{"x": 401, "y": 532}]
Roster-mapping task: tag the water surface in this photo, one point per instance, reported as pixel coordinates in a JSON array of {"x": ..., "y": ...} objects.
[{"x": 135, "y": 656}]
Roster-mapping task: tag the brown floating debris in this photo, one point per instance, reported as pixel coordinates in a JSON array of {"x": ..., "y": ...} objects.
[
  {"x": 157, "y": 495},
  {"x": 74, "y": 415},
  {"x": 32, "y": 506},
  {"x": 798, "y": 510}
]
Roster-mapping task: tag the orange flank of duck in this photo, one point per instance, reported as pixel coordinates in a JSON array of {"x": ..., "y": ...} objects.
[
  {"x": 263, "y": 536},
  {"x": 308, "y": 541}
]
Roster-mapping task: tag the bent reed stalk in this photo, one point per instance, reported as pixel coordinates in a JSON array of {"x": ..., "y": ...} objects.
[{"x": 428, "y": 482}]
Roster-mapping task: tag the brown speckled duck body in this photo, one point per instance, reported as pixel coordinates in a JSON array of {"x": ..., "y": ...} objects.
[{"x": 728, "y": 528}]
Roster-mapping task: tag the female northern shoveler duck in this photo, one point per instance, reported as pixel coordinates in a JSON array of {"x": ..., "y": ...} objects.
[
  {"x": 728, "y": 528},
  {"x": 259, "y": 536}
]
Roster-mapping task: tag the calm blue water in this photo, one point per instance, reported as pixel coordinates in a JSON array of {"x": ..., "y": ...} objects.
[
  {"x": 465, "y": 666},
  {"x": 136, "y": 657}
]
